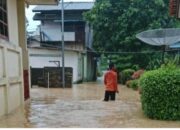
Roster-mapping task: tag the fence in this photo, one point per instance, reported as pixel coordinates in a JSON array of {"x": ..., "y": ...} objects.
[{"x": 40, "y": 77}]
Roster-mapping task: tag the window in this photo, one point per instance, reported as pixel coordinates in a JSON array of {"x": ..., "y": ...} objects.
[{"x": 3, "y": 20}]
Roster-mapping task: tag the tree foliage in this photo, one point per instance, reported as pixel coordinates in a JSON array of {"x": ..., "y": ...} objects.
[{"x": 115, "y": 23}]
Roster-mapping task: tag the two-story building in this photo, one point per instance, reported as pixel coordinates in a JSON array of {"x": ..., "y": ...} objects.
[
  {"x": 77, "y": 37},
  {"x": 14, "y": 66}
]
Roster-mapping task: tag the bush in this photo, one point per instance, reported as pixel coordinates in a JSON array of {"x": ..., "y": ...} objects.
[
  {"x": 160, "y": 93},
  {"x": 126, "y": 75},
  {"x": 137, "y": 74},
  {"x": 134, "y": 84}
]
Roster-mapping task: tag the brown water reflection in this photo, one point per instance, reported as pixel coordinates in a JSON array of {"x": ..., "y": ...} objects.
[{"x": 81, "y": 106}]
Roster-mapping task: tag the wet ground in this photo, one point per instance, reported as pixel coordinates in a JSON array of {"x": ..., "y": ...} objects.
[{"x": 81, "y": 106}]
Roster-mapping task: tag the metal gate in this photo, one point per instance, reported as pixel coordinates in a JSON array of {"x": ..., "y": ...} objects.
[{"x": 36, "y": 74}]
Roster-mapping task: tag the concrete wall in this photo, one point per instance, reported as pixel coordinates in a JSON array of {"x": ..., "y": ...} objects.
[
  {"x": 88, "y": 36},
  {"x": 40, "y": 58},
  {"x": 23, "y": 44},
  {"x": 53, "y": 31},
  {"x": 11, "y": 78},
  {"x": 11, "y": 70}
]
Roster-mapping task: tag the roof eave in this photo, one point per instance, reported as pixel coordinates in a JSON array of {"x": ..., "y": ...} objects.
[{"x": 36, "y": 11}]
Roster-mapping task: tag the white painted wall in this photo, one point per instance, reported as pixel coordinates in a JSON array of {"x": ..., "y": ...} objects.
[
  {"x": 2, "y": 100},
  {"x": 11, "y": 78},
  {"x": 11, "y": 72},
  {"x": 43, "y": 61},
  {"x": 1, "y": 63},
  {"x": 40, "y": 58},
  {"x": 13, "y": 64},
  {"x": 53, "y": 30}
]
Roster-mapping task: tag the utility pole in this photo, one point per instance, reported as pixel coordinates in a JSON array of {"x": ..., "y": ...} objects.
[{"x": 62, "y": 32}]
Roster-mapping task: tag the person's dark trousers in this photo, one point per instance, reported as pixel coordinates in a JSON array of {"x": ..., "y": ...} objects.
[{"x": 109, "y": 95}]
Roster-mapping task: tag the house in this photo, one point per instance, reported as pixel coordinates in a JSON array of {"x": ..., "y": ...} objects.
[
  {"x": 77, "y": 37},
  {"x": 14, "y": 66},
  {"x": 174, "y": 8}
]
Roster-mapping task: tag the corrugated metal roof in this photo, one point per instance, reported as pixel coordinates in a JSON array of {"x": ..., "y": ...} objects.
[
  {"x": 74, "y": 17},
  {"x": 67, "y": 6}
]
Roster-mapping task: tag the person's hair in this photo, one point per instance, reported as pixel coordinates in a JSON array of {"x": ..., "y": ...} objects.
[{"x": 111, "y": 65}]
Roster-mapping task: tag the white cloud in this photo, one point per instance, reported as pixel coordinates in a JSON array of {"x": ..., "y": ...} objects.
[{"x": 29, "y": 15}]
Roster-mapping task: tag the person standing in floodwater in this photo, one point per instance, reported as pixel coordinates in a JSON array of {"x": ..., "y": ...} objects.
[{"x": 111, "y": 85}]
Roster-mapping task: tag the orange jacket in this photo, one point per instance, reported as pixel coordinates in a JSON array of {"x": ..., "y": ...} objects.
[{"x": 110, "y": 81}]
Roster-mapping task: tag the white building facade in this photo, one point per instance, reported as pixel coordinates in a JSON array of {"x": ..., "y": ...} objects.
[
  {"x": 13, "y": 54},
  {"x": 40, "y": 58},
  {"x": 77, "y": 38}
]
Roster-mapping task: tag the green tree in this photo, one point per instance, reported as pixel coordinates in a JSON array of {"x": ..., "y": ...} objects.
[{"x": 116, "y": 22}]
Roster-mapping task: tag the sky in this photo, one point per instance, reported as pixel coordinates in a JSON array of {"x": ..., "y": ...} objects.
[{"x": 29, "y": 15}]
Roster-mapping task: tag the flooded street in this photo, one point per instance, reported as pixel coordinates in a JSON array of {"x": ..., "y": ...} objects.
[{"x": 81, "y": 106}]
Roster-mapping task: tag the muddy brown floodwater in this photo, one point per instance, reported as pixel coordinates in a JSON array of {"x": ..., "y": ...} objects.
[{"x": 81, "y": 106}]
